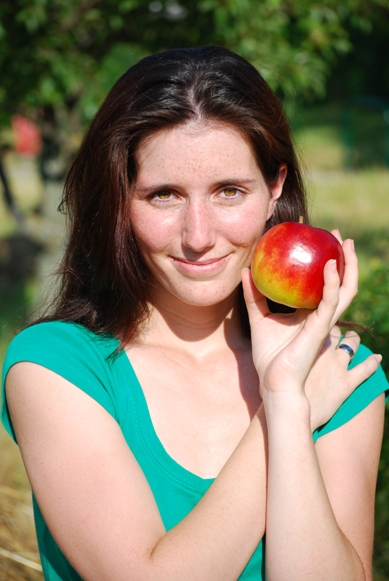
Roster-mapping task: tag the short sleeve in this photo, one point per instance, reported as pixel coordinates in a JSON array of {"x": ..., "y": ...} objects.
[
  {"x": 361, "y": 397},
  {"x": 71, "y": 351}
]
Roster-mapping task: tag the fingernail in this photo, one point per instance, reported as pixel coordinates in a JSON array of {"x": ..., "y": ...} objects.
[
  {"x": 352, "y": 244},
  {"x": 350, "y": 334},
  {"x": 378, "y": 357},
  {"x": 333, "y": 265}
]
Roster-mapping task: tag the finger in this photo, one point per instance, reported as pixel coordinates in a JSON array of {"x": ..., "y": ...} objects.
[
  {"x": 350, "y": 277},
  {"x": 332, "y": 340},
  {"x": 318, "y": 324},
  {"x": 255, "y": 301},
  {"x": 335, "y": 336},
  {"x": 349, "y": 287},
  {"x": 330, "y": 300},
  {"x": 351, "y": 340},
  {"x": 364, "y": 370},
  {"x": 337, "y": 235}
]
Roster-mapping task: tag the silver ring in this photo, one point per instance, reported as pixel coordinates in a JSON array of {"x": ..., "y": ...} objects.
[{"x": 347, "y": 348}]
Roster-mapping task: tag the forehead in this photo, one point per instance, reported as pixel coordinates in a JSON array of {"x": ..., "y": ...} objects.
[{"x": 202, "y": 146}]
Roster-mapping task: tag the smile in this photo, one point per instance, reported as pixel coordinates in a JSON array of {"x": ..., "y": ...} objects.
[{"x": 197, "y": 267}]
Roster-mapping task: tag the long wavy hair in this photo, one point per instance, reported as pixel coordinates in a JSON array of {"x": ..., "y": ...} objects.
[{"x": 104, "y": 282}]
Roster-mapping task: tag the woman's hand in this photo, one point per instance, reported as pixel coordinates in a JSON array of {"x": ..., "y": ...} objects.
[
  {"x": 287, "y": 347},
  {"x": 304, "y": 378},
  {"x": 330, "y": 382}
]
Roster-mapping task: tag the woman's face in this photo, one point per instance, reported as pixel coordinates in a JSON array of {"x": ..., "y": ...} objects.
[{"x": 198, "y": 206}]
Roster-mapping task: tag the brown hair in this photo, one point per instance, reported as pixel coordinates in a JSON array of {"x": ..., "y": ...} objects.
[{"x": 104, "y": 281}]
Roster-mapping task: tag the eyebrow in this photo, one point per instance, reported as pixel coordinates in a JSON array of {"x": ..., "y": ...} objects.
[{"x": 224, "y": 183}]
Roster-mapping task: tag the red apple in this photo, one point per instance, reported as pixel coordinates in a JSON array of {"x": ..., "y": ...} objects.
[{"x": 288, "y": 262}]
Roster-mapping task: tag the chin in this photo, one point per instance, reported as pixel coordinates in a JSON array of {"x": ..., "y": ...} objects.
[{"x": 205, "y": 297}]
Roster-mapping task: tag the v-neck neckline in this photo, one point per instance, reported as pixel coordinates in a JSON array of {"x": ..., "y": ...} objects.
[{"x": 150, "y": 436}]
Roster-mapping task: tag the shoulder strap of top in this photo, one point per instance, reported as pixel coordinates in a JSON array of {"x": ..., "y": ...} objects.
[
  {"x": 361, "y": 397},
  {"x": 71, "y": 351}
]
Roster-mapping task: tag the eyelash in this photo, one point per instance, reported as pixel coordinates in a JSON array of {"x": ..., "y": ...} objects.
[
  {"x": 154, "y": 197},
  {"x": 236, "y": 190}
]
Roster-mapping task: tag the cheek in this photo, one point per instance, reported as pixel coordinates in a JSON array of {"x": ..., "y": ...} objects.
[
  {"x": 246, "y": 227},
  {"x": 152, "y": 233}
]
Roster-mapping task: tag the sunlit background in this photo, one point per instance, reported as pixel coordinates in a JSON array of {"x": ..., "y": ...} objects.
[{"x": 328, "y": 63}]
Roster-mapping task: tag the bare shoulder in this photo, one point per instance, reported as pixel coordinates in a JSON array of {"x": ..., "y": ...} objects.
[
  {"x": 358, "y": 441},
  {"x": 349, "y": 458},
  {"x": 37, "y": 394},
  {"x": 77, "y": 459}
]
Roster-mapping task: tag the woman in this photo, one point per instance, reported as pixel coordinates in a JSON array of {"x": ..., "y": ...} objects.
[{"x": 161, "y": 436}]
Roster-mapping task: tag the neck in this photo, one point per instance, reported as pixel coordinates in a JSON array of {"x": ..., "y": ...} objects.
[{"x": 198, "y": 329}]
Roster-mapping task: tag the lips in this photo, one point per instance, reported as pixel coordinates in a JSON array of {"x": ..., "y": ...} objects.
[{"x": 200, "y": 267}]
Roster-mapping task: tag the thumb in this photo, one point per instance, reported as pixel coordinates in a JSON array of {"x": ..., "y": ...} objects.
[{"x": 255, "y": 301}]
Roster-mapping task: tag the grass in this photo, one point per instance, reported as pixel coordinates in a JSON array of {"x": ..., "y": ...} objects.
[
  {"x": 354, "y": 200},
  {"x": 356, "y": 204}
]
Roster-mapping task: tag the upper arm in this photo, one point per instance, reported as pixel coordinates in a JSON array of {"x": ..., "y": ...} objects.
[
  {"x": 348, "y": 458},
  {"x": 90, "y": 489}
]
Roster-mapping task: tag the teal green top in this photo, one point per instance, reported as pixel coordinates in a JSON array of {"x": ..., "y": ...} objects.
[{"x": 83, "y": 358}]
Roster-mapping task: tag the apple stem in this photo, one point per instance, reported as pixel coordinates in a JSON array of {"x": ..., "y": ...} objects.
[{"x": 301, "y": 220}]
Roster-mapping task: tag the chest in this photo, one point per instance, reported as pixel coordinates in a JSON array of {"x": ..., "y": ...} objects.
[{"x": 199, "y": 409}]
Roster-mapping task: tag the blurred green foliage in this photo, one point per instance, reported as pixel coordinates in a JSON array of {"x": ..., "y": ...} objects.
[
  {"x": 363, "y": 70},
  {"x": 66, "y": 54},
  {"x": 381, "y": 543},
  {"x": 370, "y": 307},
  {"x": 15, "y": 307},
  {"x": 52, "y": 52}
]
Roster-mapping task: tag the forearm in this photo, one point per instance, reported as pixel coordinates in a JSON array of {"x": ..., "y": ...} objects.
[
  {"x": 216, "y": 540},
  {"x": 303, "y": 540},
  {"x": 86, "y": 463}
]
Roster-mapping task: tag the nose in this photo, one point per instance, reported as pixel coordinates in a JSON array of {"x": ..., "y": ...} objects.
[{"x": 199, "y": 227}]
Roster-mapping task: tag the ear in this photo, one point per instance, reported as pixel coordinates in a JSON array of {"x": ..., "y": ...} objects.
[{"x": 276, "y": 188}]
